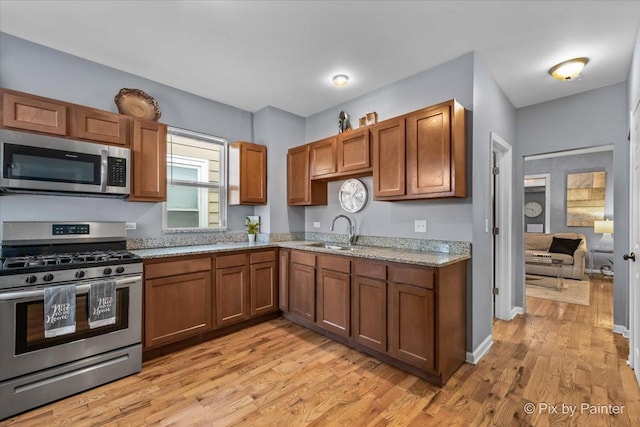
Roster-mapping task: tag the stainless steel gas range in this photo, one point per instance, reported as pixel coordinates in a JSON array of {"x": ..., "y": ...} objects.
[{"x": 40, "y": 258}]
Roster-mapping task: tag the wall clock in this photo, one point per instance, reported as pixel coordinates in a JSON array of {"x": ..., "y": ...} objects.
[
  {"x": 532, "y": 209},
  {"x": 353, "y": 195}
]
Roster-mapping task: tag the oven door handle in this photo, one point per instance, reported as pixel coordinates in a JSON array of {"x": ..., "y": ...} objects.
[
  {"x": 104, "y": 169},
  {"x": 80, "y": 289}
]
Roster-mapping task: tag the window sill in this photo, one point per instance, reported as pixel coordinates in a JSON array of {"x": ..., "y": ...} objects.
[{"x": 193, "y": 230}]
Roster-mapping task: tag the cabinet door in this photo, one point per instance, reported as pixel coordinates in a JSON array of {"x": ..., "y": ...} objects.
[
  {"x": 370, "y": 312},
  {"x": 149, "y": 157},
  {"x": 333, "y": 302},
  {"x": 176, "y": 307},
  {"x": 301, "y": 191},
  {"x": 283, "y": 283},
  {"x": 389, "y": 158},
  {"x": 302, "y": 291},
  {"x": 323, "y": 158},
  {"x": 253, "y": 174},
  {"x": 263, "y": 288},
  {"x": 354, "y": 154},
  {"x": 412, "y": 325},
  {"x": 34, "y": 113},
  {"x": 429, "y": 151},
  {"x": 232, "y": 295},
  {"x": 101, "y": 126}
]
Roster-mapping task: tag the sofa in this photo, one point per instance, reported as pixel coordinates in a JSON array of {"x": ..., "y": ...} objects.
[{"x": 573, "y": 267}]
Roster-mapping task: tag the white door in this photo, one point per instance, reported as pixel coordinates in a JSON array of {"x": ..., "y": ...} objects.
[{"x": 634, "y": 244}]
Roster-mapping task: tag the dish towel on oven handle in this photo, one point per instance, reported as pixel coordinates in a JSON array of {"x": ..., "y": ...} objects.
[
  {"x": 102, "y": 304},
  {"x": 59, "y": 310}
]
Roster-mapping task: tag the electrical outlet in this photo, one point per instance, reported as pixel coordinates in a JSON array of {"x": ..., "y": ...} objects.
[
  {"x": 420, "y": 226},
  {"x": 131, "y": 226},
  {"x": 316, "y": 224}
]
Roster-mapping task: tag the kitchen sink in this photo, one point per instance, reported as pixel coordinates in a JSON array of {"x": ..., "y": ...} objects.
[{"x": 332, "y": 246}]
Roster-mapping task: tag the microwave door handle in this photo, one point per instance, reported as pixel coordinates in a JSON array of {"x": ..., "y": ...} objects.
[{"x": 104, "y": 163}]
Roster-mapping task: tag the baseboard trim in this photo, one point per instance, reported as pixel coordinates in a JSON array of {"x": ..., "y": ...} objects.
[
  {"x": 515, "y": 311},
  {"x": 622, "y": 330},
  {"x": 480, "y": 351}
]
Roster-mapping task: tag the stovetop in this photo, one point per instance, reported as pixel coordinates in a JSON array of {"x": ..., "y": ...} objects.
[{"x": 64, "y": 261}]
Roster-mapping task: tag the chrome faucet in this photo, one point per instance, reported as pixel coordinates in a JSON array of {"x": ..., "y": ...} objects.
[{"x": 352, "y": 228}]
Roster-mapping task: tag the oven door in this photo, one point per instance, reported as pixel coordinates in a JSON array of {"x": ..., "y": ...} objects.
[{"x": 25, "y": 349}]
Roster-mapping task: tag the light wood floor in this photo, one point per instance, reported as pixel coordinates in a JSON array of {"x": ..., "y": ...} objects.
[{"x": 280, "y": 374}]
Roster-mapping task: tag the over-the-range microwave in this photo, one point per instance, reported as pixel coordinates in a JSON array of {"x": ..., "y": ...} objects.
[{"x": 40, "y": 163}]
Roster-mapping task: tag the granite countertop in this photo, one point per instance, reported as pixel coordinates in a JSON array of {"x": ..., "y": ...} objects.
[{"x": 430, "y": 259}]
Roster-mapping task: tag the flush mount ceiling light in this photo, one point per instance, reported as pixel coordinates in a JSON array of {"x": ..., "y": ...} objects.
[
  {"x": 568, "y": 70},
  {"x": 340, "y": 80}
]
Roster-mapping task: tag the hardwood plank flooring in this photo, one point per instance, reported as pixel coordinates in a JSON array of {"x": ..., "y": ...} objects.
[{"x": 279, "y": 374}]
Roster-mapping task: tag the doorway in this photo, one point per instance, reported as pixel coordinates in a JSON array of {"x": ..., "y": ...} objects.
[
  {"x": 632, "y": 257},
  {"x": 502, "y": 225}
]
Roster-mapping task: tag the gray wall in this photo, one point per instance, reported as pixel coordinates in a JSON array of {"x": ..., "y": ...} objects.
[
  {"x": 558, "y": 168},
  {"x": 446, "y": 219},
  {"x": 589, "y": 119},
  {"x": 279, "y": 131},
  {"x": 34, "y": 68},
  {"x": 492, "y": 112}
]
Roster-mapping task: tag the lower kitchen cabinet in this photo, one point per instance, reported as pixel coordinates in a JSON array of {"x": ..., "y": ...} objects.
[
  {"x": 283, "y": 282},
  {"x": 302, "y": 285},
  {"x": 369, "y": 305},
  {"x": 333, "y": 302},
  {"x": 410, "y": 316},
  {"x": 412, "y": 325},
  {"x": 232, "y": 295},
  {"x": 264, "y": 282},
  {"x": 177, "y": 295}
]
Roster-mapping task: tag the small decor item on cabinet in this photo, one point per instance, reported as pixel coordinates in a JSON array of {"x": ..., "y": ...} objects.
[
  {"x": 353, "y": 195},
  {"x": 138, "y": 104},
  {"x": 253, "y": 226},
  {"x": 362, "y": 122},
  {"x": 371, "y": 118},
  {"x": 343, "y": 121}
]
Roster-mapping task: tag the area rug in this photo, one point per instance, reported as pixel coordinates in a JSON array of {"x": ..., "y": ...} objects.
[{"x": 573, "y": 291}]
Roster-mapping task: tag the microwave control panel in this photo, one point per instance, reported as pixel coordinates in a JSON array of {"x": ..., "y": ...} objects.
[{"x": 117, "y": 172}]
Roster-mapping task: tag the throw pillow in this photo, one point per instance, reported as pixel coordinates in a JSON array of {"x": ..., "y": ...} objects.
[{"x": 564, "y": 246}]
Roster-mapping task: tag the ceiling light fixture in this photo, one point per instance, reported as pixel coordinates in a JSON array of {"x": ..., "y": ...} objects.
[
  {"x": 340, "y": 80},
  {"x": 568, "y": 70}
]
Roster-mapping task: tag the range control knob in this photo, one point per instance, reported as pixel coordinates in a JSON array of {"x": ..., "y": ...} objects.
[
  {"x": 80, "y": 274},
  {"x": 120, "y": 270},
  {"x": 48, "y": 277},
  {"x": 107, "y": 271},
  {"x": 31, "y": 279}
]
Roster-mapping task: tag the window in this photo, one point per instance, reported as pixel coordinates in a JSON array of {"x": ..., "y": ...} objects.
[{"x": 196, "y": 192}]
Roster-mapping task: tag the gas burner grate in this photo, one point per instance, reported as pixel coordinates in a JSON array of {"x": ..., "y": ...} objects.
[{"x": 79, "y": 259}]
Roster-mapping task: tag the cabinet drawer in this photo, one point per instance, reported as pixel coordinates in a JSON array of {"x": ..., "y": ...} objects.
[
  {"x": 231, "y": 260},
  {"x": 304, "y": 258},
  {"x": 417, "y": 276},
  {"x": 263, "y": 256},
  {"x": 370, "y": 269},
  {"x": 335, "y": 263},
  {"x": 172, "y": 268}
]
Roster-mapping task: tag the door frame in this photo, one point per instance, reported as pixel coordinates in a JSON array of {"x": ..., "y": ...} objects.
[
  {"x": 547, "y": 198},
  {"x": 634, "y": 231},
  {"x": 502, "y": 252}
]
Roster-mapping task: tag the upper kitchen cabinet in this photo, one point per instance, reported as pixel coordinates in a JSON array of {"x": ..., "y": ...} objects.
[
  {"x": 421, "y": 154},
  {"x": 101, "y": 126},
  {"x": 354, "y": 152},
  {"x": 323, "y": 157},
  {"x": 149, "y": 155},
  {"x": 33, "y": 113},
  {"x": 301, "y": 191},
  {"x": 247, "y": 174}
]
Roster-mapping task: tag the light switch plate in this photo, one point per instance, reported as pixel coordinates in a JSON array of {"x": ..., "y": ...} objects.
[
  {"x": 420, "y": 226},
  {"x": 316, "y": 225},
  {"x": 131, "y": 226}
]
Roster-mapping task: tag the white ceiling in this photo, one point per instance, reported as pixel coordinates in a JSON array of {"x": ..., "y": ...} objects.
[{"x": 251, "y": 54}]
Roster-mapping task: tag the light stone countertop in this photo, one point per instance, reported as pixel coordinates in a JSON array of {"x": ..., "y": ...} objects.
[{"x": 430, "y": 259}]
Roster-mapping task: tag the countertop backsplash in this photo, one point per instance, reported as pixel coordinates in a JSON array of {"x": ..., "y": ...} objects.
[{"x": 176, "y": 240}]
